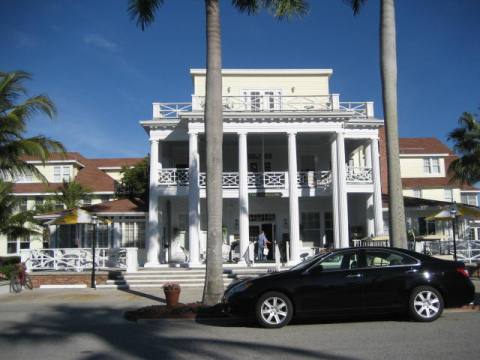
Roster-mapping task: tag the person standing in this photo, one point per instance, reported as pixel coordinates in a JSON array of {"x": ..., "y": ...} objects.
[{"x": 262, "y": 243}]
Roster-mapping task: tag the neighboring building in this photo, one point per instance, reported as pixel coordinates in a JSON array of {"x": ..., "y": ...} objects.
[
  {"x": 298, "y": 163},
  {"x": 424, "y": 166},
  {"x": 98, "y": 175}
]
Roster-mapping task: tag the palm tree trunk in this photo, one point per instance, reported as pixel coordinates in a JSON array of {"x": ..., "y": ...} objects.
[
  {"x": 388, "y": 55},
  {"x": 213, "y": 289}
]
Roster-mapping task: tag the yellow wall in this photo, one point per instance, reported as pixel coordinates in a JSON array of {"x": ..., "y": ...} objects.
[
  {"x": 302, "y": 84},
  {"x": 412, "y": 167},
  {"x": 434, "y": 194}
]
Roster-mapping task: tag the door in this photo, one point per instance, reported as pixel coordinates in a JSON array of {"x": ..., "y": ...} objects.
[
  {"x": 334, "y": 284},
  {"x": 387, "y": 275}
]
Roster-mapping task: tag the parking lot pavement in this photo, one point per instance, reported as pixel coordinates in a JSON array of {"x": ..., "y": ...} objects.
[
  {"x": 89, "y": 325},
  {"x": 121, "y": 299}
]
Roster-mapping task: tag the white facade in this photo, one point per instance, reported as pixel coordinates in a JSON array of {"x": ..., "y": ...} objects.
[{"x": 298, "y": 163}]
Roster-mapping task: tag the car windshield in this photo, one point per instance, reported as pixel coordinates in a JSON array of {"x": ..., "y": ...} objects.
[{"x": 309, "y": 261}]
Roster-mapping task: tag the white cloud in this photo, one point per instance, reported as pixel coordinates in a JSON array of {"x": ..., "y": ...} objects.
[{"x": 100, "y": 42}]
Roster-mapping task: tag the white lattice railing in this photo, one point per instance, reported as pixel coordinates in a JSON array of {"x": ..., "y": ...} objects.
[
  {"x": 173, "y": 176},
  {"x": 314, "y": 179},
  {"x": 79, "y": 259},
  {"x": 269, "y": 103},
  {"x": 359, "y": 175}
]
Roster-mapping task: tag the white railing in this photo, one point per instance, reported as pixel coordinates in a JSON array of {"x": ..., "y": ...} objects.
[
  {"x": 357, "y": 175},
  {"x": 80, "y": 259},
  {"x": 467, "y": 250},
  {"x": 256, "y": 180},
  {"x": 170, "y": 110},
  {"x": 270, "y": 103},
  {"x": 314, "y": 179},
  {"x": 173, "y": 177}
]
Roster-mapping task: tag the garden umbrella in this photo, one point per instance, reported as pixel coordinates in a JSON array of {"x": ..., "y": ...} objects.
[{"x": 451, "y": 213}]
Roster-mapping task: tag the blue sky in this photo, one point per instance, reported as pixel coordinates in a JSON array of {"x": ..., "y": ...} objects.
[{"x": 103, "y": 72}]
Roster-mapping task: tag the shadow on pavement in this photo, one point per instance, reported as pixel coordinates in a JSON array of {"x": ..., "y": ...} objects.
[
  {"x": 144, "y": 295},
  {"x": 62, "y": 326}
]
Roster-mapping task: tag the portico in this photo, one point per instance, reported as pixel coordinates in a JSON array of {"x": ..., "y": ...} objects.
[{"x": 323, "y": 156}]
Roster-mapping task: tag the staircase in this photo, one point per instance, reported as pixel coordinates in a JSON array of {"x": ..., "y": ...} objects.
[{"x": 186, "y": 278}]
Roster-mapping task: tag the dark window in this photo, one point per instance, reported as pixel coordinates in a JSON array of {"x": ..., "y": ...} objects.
[
  {"x": 426, "y": 227},
  {"x": 340, "y": 261},
  {"x": 387, "y": 258}
]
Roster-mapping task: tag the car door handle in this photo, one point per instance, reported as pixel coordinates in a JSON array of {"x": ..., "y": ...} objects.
[{"x": 354, "y": 276}]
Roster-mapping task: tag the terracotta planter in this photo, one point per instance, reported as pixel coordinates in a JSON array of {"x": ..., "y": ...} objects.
[{"x": 172, "y": 296}]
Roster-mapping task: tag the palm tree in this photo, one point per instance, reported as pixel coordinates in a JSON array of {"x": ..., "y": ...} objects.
[
  {"x": 388, "y": 65},
  {"x": 143, "y": 11},
  {"x": 14, "y": 116},
  {"x": 466, "y": 169},
  {"x": 71, "y": 194},
  {"x": 14, "y": 223}
]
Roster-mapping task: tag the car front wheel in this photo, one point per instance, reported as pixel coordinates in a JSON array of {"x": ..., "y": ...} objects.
[
  {"x": 274, "y": 310},
  {"x": 426, "y": 304}
]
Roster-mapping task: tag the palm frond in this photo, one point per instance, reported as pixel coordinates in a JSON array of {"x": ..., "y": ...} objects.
[
  {"x": 143, "y": 11},
  {"x": 251, "y": 7},
  {"x": 356, "y": 5},
  {"x": 282, "y": 9}
]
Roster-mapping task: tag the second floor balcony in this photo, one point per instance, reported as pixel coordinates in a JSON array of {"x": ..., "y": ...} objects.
[
  {"x": 254, "y": 102},
  {"x": 270, "y": 179}
]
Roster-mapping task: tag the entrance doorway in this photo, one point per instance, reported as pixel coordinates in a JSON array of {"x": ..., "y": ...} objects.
[{"x": 269, "y": 230}]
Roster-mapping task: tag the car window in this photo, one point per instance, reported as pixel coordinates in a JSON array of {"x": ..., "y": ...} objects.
[
  {"x": 387, "y": 258},
  {"x": 341, "y": 261}
]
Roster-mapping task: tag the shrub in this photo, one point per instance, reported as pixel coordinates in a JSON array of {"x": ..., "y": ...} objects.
[
  {"x": 9, "y": 260},
  {"x": 171, "y": 286},
  {"x": 7, "y": 270}
]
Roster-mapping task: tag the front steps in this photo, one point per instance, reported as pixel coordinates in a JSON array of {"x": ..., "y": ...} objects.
[{"x": 186, "y": 278}]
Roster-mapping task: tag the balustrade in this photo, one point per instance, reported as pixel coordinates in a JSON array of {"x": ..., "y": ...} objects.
[
  {"x": 269, "y": 179},
  {"x": 79, "y": 259},
  {"x": 360, "y": 175},
  {"x": 269, "y": 103}
]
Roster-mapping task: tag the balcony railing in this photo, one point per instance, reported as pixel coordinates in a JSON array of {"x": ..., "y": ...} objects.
[
  {"x": 268, "y": 179},
  {"x": 270, "y": 103},
  {"x": 357, "y": 175}
]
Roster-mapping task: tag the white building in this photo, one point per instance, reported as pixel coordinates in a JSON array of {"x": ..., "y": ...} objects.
[{"x": 299, "y": 163}]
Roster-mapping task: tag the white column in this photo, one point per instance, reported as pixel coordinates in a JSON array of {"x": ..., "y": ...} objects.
[
  {"x": 193, "y": 200},
  {"x": 243, "y": 195},
  {"x": 342, "y": 191},
  {"x": 153, "y": 240},
  {"x": 117, "y": 239},
  {"x": 335, "y": 216},
  {"x": 293, "y": 199},
  {"x": 377, "y": 189},
  {"x": 370, "y": 219}
]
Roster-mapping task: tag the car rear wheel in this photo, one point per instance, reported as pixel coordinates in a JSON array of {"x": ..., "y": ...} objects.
[
  {"x": 274, "y": 310},
  {"x": 426, "y": 304}
]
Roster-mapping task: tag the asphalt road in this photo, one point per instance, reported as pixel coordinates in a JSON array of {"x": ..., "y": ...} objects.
[{"x": 90, "y": 325}]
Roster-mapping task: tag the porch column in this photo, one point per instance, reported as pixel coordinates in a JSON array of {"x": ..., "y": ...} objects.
[
  {"x": 377, "y": 189},
  {"x": 243, "y": 196},
  {"x": 293, "y": 199},
  {"x": 342, "y": 191},
  {"x": 153, "y": 240},
  {"x": 370, "y": 218},
  {"x": 335, "y": 216},
  {"x": 193, "y": 200}
]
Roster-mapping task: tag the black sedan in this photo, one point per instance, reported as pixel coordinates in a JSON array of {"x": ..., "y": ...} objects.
[{"x": 351, "y": 282}]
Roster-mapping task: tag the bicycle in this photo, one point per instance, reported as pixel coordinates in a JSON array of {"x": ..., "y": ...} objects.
[{"x": 19, "y": 279}]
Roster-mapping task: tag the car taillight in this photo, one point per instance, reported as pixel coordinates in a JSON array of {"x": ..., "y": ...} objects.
[{"x": 463, "y": 271}]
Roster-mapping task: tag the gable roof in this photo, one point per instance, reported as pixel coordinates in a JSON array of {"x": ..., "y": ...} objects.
[
  {"x": 423, "y": 146},
  {"x": 115, "y": 162},
  {"x": 89, "y": 175}
]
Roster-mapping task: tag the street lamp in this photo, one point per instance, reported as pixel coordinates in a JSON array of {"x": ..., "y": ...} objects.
[
  {"x": 453, "y": 215},
  {"x": 94, "y": 245}
]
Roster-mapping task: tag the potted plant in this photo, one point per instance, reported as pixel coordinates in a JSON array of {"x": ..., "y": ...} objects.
[{"x": 172, "y": 293}]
